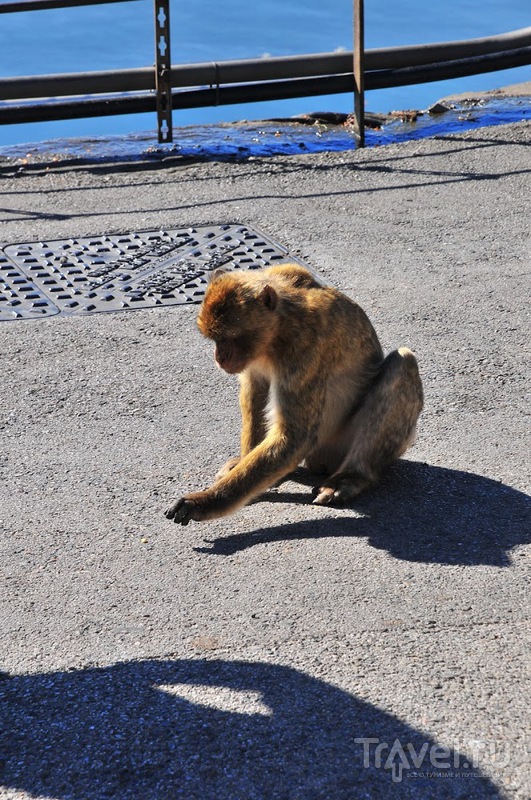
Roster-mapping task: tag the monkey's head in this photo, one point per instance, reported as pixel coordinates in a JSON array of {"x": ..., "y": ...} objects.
[{"x": 239, "y": 314}]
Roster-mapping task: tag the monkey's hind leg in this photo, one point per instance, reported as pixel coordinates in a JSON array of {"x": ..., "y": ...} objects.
[{"x": 380, "y": 431}]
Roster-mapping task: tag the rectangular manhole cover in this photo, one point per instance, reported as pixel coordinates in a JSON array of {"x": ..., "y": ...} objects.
[{"x": 117, "y": 272}]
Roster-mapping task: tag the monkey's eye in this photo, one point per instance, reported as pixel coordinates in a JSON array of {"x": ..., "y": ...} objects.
[{"x": 224, "y": 345}]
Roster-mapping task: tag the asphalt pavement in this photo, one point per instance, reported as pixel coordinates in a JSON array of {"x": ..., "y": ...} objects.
[{"x": 288, "y": 651}]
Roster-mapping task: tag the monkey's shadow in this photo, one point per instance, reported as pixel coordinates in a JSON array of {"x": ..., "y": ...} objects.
[{"x": 417, "y": 513}]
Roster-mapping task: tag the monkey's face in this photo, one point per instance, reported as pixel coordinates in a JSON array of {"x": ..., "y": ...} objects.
[
  {"x": 233, "y": 354},
  {"x": 240, "y": 319}
]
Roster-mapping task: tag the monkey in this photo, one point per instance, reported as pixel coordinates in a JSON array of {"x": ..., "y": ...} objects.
[{"x": 315, "y": 388}]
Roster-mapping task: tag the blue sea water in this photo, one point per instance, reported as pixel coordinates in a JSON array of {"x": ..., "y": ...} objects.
[{"x": 120, "y": 35}]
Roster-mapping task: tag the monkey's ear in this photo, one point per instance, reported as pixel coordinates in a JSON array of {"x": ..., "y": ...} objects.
[
  {"x": 268, "y": 297},
  {"x": 217, "y": 273}
]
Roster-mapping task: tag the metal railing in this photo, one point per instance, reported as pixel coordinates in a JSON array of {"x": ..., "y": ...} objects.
[{"x": 165, "y": 87}]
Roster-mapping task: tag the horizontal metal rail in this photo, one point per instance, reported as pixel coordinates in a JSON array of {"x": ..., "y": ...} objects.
[
  {"x": 446, "y": 70},
  {"x": 258, "y": 92},
  {"x": 43, "y": 5},
  {"x": 252, "y": 70},
  {"x": 132, "y": 91}
]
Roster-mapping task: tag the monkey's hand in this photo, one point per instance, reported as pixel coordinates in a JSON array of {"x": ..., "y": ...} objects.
[{"x": 183, "y": 510}]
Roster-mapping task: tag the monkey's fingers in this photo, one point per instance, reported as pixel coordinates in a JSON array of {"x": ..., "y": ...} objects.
[
  {"x": 340, "y": 489},
  {"x": 181, "y": 511},
  {"x": 325, "y": 496},
  {"x": 227, "y": 467}
]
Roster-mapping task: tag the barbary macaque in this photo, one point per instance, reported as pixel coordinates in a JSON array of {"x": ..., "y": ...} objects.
[{"x": 314, "y": 388}]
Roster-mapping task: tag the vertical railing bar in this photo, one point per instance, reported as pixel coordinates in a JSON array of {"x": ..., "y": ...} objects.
[
  {"x": 163, "y": 70},
  {"x": 359, "y": 71}
]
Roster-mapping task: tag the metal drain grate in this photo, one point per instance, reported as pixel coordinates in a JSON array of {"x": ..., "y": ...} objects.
[
  {"x": 116, "y": 272},
  {"x": 20, "y": 298}
]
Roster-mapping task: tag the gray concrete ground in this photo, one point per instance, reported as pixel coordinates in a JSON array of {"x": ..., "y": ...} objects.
[
  {"x": 289, "y": 651},
  {"x": 514, "y": 90}
]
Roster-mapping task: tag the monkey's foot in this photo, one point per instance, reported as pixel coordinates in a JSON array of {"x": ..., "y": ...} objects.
[
  {"x": 182, "y": 511},
  {"x": 340, "y": 489}
]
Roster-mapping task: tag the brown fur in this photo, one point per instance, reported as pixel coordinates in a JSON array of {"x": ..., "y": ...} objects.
[{"x": 314, "y": 386}]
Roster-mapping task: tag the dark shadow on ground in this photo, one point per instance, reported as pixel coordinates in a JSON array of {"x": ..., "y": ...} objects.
[
  {"x": 414, "y": 179},
  {"x": 146, "y": 156},
  {"x": 417, "y": 513},
  {"x": 382, "y": 161},
  {"x": 254, "y": 732},
  {"x": 421, "y": 176}
]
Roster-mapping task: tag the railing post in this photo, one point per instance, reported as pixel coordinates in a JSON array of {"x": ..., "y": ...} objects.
[
  {"x": 359, "y": 78},
  {"x": 163, "y": 70}
]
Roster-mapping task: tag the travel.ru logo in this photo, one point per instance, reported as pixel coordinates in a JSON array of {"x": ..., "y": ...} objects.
[{"x": 431, "y": 760}]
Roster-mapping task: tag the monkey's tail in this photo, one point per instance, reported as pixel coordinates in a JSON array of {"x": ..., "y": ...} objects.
[
  {"x": 409, "y": 356},
  {"x": 412, "y": 367}
]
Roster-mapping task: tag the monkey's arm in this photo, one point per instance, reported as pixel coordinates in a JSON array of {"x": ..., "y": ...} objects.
[
  {"x": 254, "y": 392},
  {"x": 276, "y": 456}
]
